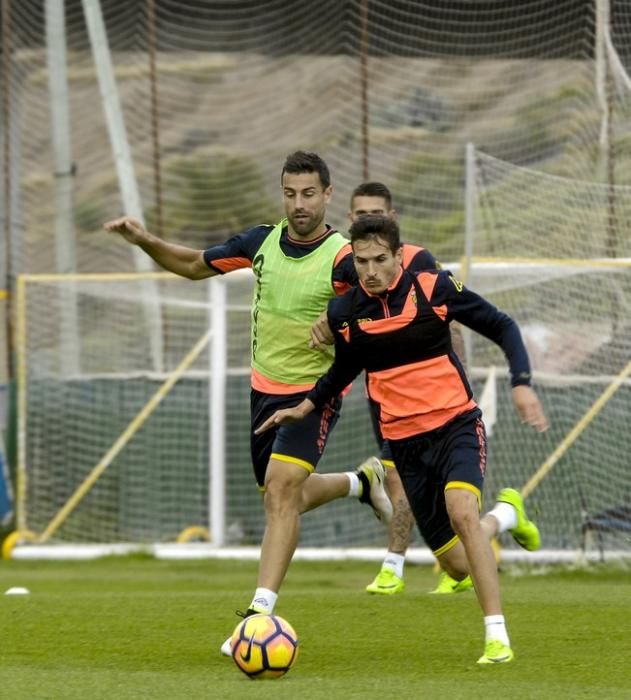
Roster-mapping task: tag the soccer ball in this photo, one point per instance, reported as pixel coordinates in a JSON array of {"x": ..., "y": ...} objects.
[{"x": 264, "y": 646}]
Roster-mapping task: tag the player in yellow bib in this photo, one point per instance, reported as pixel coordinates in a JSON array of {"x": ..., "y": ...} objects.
[{"x": 299, "y": 265}]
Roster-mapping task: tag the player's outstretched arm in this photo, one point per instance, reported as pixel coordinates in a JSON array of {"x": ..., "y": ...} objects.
[
  {"x": 529, "y": 408},
  {"x": 183, "y": 261},
  {"x": 286, "y": 415}
]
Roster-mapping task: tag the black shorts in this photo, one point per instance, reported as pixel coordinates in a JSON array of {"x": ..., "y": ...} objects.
[
  {"x": 385, "y": 453},
  {"x": 301, "y": 443},
  {"x": 453, "y": 456}
]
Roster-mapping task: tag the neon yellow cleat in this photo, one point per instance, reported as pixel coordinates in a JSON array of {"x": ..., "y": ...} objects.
[
  {"x": 495, "y": 652},
  {"x": 446, "y": 584},
  {"x": 526, "y": 533},
  {"x": 386, "y": 583}
]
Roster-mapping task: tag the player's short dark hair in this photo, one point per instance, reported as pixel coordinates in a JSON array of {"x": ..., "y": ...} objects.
[
  {"x": 370, "y": 226},
  {"x": 372, "y": 189},
  {"x": 302, "y": 162}
]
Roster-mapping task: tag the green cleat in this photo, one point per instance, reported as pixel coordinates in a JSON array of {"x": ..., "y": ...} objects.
[
  {"x": 526, "y": 533},
  {"x": 496, "y": 652},
  {"x": 446, "y": 584},
  {"x": 386, "y": 583}
]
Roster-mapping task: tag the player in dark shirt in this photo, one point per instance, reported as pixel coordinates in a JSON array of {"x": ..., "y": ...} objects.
[
  {"x": 375, "y": 198},
  {"x": 395, "y": 326}
]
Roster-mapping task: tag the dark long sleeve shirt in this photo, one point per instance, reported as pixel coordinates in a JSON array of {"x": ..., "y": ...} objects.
[{"x": 401, "y": 339}]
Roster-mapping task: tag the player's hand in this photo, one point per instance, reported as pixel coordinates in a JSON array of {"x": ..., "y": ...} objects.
[
  {"x": 286, "y": 415},
  {"x": 129, "y": 228},
  {"x": 529, "y": 408},
  {"x": 321, "y": 333},
  {"x": 280, "y": 417}
]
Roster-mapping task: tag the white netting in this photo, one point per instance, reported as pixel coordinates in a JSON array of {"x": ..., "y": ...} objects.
[
  {"x": 551, "y": 240},
  {"x": 214, "y": 95},
  {"x": 157, "y": 483}
]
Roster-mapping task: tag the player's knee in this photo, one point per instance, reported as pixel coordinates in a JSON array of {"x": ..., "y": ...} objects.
[
  {"x": 454, "y": 562},
  {"x": 464, "y": 517},
  {"x": 462, "y": 508},
  {"x": 282, "y": 497}
]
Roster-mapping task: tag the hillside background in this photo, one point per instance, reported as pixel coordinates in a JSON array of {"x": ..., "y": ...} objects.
[{"x": 388, "y": 91}]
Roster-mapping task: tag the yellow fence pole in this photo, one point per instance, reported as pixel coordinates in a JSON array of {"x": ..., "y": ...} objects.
[{"x": 565, "y": 444}]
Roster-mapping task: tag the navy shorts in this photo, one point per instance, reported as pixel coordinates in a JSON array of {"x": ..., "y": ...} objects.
[
  {"x": 428, "y": 464},
  {"x": 301, "y": 443}
]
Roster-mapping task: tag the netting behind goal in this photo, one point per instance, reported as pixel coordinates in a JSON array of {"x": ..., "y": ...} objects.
[
  {"x": 214, "y": 95},
  {"x": 103, "y": 460},
  {"x": 554, "y": 254},
  {"x": 187, "y": 121}
]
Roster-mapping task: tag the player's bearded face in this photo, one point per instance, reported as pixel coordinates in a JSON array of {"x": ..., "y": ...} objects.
[
  {"x": 377, "y": 266},
  {"x": 305, "y": 202}
]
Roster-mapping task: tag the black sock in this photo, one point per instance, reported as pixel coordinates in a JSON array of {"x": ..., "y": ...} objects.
[{"x": 365, "y": 482}]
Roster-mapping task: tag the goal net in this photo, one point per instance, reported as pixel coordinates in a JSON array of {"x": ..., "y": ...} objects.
[
  {"x": 134, "y": 430},
  {"x": 134, "y": 418},
  {"x": 183, "y": 112},
  {"x": 213, "y": 95},
  {"x": 554, "y": 254}
]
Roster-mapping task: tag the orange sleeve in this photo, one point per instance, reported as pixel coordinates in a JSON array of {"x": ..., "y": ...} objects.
[{"x": 224, "y": 265}]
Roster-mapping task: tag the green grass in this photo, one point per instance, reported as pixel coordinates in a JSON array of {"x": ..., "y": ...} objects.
[{"x": 123, "y": 628}]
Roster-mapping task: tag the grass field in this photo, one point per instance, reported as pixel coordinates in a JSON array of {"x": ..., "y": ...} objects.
[{"x": 122, "y": 628}]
